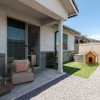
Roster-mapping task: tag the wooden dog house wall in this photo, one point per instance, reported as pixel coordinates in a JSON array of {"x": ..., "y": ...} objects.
[{"x": 91, "y": 57}]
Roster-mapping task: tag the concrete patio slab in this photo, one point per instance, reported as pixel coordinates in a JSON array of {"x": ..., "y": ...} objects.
[{"x": 42, "y": 76}]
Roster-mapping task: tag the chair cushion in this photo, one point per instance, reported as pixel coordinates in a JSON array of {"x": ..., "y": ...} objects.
[{"x": 21, "y": 66}]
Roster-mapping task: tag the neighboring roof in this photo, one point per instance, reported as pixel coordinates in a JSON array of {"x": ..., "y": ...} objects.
[
  {"x": 70, "y": 29},
  {"x": 93, "y": 40},
  {"x": 86, "y": 38},
  {"x": 93, "y": 52}
]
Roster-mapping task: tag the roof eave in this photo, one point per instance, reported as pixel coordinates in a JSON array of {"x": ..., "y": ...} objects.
[
  {"x": 76, "y": 10},
  {"x": 68, "y": 28},
  {"x": 72, "y": 16},
  {"x": 75, "y": 5}
]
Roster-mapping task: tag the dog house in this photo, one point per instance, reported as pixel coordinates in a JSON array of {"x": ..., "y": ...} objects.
[{"x": 91, "y": 57}]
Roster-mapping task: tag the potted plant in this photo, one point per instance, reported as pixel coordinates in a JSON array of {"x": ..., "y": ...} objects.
[{"x": 51, "y": 60}]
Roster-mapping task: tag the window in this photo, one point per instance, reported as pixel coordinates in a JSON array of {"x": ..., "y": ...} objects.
[
  {"x": 16, "y": 39},
  {"x": 65, "y": 41}
]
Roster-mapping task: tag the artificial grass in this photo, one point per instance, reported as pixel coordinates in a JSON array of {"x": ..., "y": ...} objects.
[{"x": 80, "y": 69}]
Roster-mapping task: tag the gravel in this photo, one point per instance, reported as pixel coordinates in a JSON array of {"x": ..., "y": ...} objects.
[
  {"x": 73, "y": 88},
  {"x": 68, "y": 87}
]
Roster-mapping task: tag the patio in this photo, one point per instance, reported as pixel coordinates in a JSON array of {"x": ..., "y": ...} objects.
[{"x": 42, "y": 76}]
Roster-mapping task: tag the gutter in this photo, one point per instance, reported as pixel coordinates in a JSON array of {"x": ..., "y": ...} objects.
[
  {"x": 72, "y": 16},
  {"x": 75, "y": 5}
]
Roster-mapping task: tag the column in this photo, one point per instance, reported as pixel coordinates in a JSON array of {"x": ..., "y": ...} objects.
[{"x": 60, "y": 47}]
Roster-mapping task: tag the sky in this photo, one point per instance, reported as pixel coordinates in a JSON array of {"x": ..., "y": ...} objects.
[{"x": 88, "y": 20}]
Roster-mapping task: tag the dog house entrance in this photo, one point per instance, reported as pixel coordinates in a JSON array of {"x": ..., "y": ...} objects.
[{"x": 90, "y": 59}]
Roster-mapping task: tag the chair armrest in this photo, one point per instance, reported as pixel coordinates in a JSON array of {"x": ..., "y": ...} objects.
[
  {"x": 12, "y": 72},
  {"x": 32, "y": 67}
]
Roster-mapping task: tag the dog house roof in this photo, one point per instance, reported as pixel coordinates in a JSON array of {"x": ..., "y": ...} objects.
[{"x": 93, "y": 52}]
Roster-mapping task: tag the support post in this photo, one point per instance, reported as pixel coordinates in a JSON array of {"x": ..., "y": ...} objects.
[{"x": 60, "y": 47}]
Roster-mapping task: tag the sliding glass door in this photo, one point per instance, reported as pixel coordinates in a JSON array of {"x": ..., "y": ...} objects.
[{"x": 15, "y": 39}]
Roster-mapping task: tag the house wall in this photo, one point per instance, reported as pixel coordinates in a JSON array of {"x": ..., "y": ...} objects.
[
  {"x": 2, "y": 64},
  {"x": 71, "y": 39},
  {"x": 67, "y": 56},
  {"x": 3, "y": 36},
  {"x": 47, "y": 40},
  {"x": 3, "y": 32},
  {"x": 47, "y": 43}
]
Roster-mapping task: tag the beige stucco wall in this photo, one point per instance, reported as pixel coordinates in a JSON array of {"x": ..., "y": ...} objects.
[
  {"x": 47, "y": 38},
  {"x": 71, "y": 38},
  {"x": 3, "y": 32},
  {"x": 85, "y": 48}
]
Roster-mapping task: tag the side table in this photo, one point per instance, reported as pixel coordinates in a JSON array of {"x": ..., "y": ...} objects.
[{"x": 6, "y": 88}]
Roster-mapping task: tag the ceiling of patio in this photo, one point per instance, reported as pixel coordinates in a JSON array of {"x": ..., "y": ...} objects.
[{"x": 18, "y": 6}]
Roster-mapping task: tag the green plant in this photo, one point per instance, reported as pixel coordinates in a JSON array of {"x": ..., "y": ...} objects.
[{"x": 51, "y": 59}]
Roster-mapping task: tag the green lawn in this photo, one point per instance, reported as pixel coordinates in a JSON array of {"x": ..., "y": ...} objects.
[{"x": 80, "y": 69}]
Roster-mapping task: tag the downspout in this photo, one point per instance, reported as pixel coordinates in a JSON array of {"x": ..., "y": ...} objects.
[{"x": 55, "y": 44}]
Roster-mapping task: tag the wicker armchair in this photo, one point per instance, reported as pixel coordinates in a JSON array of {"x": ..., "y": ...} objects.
[{"x": 21, "y": 77}]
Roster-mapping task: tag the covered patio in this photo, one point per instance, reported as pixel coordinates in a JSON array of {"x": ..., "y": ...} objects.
[
  {"x": 40, "y": 14},
  {"x": 42, "y": 76}
]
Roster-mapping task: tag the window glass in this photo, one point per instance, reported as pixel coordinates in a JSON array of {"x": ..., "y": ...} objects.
[
  {"x": 16, "y": 39},
  {"x": 65, "y": 41}
]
